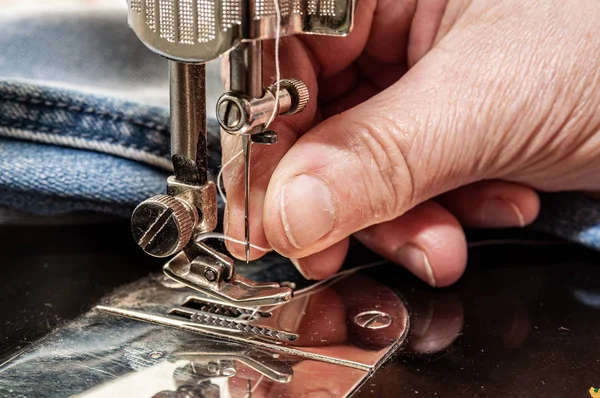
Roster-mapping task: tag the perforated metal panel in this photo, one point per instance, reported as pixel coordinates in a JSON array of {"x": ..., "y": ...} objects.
[
  {"x": 231, "y": 13},
  {"x": 206, "y": 20},
  {"x": 150, "y": 14},
  {"x": 264, "y": 8},
  {"x": 135, "y": 6},
  {"x": 167, "y": 20},
  {"x": 187, "y": 23},
  {"x": 199, "y": 30}
]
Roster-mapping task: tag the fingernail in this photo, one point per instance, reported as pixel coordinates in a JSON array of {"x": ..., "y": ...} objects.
[
  {"x": 501, "y": 212},
  {"x": 305, "y": 273},
  {"x": 307, "y": 210},
  {"x": 416, "y": 261}
]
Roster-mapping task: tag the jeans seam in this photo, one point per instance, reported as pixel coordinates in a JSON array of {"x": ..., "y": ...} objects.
[
  {"x": 40, "y": 128},
  {"x": 83, "y": 108}
]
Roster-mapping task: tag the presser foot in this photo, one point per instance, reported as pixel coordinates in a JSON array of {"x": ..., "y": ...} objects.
[{"x": 213, "y": 273}]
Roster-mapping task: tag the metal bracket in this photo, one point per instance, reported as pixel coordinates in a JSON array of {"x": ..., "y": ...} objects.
[
  {"x": 224, "y": 356},
  {"x": 212, "y": 273}
]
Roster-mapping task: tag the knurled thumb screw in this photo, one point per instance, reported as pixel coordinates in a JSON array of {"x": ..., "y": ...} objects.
[
  {"x": 298, "y": 93},
  {"x": 163, "y": 225}
]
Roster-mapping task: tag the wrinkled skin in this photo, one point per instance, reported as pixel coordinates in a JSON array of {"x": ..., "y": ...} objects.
[{"x": 430, "y": 117}]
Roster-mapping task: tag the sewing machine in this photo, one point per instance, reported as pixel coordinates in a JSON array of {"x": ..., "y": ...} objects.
[
  {"x": 217, "y": 328},
  {"x": 228, "y": 305},
  {"x": 191, "y": 33},
  {"x": 208, "y": 327}
]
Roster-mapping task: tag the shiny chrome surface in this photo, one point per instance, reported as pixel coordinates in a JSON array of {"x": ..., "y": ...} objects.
[
  {"x": 201, "y": 30},
  {"x": 163, "y": 225},
  {"x": 331, "y": 335},
  {"x": 245, "y": 78},
  {"x": 201, "y": 197},
  {"x": 204, "y": 269},
  {"x": 189, "y": 33},
  {"x": 188, "y": 122},
  {"x": 109, "y": 353},
  {"x": 102, "y": 356},
  {"x": 240, "y": 114}
]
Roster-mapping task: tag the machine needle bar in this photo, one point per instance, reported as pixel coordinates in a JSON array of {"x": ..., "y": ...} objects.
[
  {"x": 246, "y": 148},
  {"x": 246, "y": 77}
]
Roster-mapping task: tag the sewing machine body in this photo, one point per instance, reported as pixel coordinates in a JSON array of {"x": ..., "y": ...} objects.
[{"x": 83, "y": 318}]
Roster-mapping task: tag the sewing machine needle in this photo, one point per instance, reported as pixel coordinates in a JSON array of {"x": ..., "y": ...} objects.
[{"x": 246, "y": 148}]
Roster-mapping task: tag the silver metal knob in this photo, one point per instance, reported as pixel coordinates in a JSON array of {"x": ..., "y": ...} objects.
[
  {"x": 298, "y": 92},
  {"x": 163, "y": 225},
  {"x": 238, "y": 113}
]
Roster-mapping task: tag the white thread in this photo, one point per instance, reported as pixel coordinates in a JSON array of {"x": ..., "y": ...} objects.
[
  {"x": 277, "y": 67},
  {"x": 218, "y": 235},
  {"x": 335, "y": 277},
  {"x": 220, "y": 176},
  {"x": 249, "y": 394},
  {"x": 254, "y": 312},
  {"x": 271, "y": 118},
  {"x": 81, "y": 143}
]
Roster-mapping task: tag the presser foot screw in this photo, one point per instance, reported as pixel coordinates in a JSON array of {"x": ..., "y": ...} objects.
[
  {"x": 210, "y": 275},
  {"x": 162, "y": 225},
  {"x": 373, "y": 319}
]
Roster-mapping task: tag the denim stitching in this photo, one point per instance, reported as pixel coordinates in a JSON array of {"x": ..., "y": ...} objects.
[
  {"x": 38, "y": 127},
  {"x": 80, "y": 107},
  {"x": 55, "y": 136}
]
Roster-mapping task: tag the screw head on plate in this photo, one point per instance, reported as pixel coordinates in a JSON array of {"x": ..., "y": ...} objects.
[
  {"x": 373, "y": 319},
  {"x": 210, "y": 275}
]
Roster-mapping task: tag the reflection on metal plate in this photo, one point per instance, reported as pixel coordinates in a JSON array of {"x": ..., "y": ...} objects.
[{"x": 344, "y": 330}]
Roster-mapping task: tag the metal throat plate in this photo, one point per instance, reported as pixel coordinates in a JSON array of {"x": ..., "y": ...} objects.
[{"x": 333, "y": 336}]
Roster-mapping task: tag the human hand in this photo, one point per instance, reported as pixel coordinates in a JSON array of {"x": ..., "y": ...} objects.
[{"x": 431, "y": 116}]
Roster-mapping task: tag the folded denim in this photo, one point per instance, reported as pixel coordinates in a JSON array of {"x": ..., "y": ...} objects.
[
  {"x": 83, "y": 113},
  {"x": 84, "y": 122},
  {"x": 65, "y": 151}
]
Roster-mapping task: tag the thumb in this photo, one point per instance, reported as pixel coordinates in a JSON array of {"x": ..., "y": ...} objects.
[{"x": 373, "y": 162}]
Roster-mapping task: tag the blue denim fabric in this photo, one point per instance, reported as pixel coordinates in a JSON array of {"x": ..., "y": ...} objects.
[
  {"x": 70, "y": 118},
  {"x": 49, "y": 179},
  {"x": 81, "y": 86},
  {"x": 84, "y": 122},
  {"x": 85, "y": 143},
  {"x": 572, "y": 216},
  {"x": 86, "y": 50}
]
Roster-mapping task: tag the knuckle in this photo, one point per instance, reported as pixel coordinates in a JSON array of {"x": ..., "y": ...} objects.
[{"x": 388, "y": 180}]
